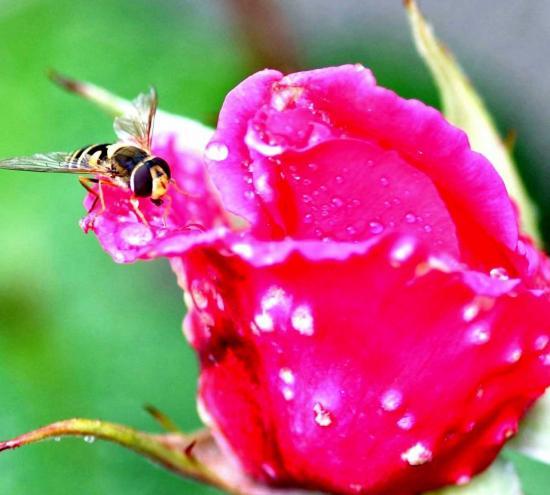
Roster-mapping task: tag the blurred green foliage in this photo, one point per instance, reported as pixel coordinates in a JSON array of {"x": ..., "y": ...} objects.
[{"x": 79, "y": 335}]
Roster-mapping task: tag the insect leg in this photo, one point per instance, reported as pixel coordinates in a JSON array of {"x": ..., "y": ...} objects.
[
  {"x": 135, "y": 205},
  {"x": 87, "y": 184},
  {"x": 174, "y": 184}
]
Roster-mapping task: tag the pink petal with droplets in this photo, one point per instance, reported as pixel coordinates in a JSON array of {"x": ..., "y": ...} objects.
[{"x": 323, "y": 354}]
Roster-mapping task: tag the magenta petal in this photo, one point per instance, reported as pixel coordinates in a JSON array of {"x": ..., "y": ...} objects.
[
  {"x": 269, "y": 136},
  {"x": 191, "y": 206},
  {"x": 227, "y": 153},
  {"x": 332, "y": 355}
]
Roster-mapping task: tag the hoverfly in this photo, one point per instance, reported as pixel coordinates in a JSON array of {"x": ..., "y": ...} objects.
[{"x": 128, "y": 163}]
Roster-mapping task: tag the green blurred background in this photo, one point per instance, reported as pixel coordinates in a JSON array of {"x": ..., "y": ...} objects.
[{"x": 79, "y": 335}]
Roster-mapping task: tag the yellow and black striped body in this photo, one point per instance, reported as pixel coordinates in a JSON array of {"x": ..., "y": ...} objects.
[{"x": 146, "y": 175}]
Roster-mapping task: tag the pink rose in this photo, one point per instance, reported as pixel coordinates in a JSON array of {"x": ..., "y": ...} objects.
[{"x": 376, "y": 324}]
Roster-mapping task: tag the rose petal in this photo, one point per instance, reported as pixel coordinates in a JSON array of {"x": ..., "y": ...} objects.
[
  {"x": 344, "y": 102},
  {"x": 190, "y": 206},
  {"x": 290, "y": 394}
]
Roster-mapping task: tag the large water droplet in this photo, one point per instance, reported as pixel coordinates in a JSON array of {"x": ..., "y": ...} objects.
[
  {"x": 499, "y": 273},
  {"x": 302, "y": 320},
  {"x": 401, "y": 252},
  {"x": 410, "y": 218},
  {"x": 264, "y": 322},
  {"x": 479, "y": 333},
  {"x": 216, "y": 151},
  {"x": 417, "y": 455},
  {"x": 376, "y": 227},
  {"x": 391, "y": 400},
  {"x": 322, "y": 416},
  {"x": 406, "y": 422}
]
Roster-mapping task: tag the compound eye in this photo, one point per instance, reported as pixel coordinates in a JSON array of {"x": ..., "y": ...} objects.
[
  {"x": 141, "y": 181},
  {"x": 159, "y": 162}
]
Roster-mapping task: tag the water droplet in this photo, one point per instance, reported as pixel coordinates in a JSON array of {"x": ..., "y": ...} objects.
[
  {"x": 541, "y": 342},
  {"x": 401, "y": 252},
  {"x": 351, "y": 230},
  {"x": 470, "y": 311},
  {"x": 499, "y": 273},
  {"x": 322, "y": 416},
  {"x": 337, "y": 202},
  {"x": 199, "y": 294},
  {"x": 410, "y": 218},
  {"x": 57, "y": 439},
  {"x": 417, "y": 455},
  {"x": 264, "y": 322},
  {"x": 308, "y": 218},
  {"x": 286, "y": 375},
  {"x": 384, "y": 181},
  {"x": 302, "y": 320},
  {"x": 479, "y": 333},
  {"x": 514, "y": 355},
  {"x": 406, "y": 422},
  {"x": 427, "y": 228},
  {"x": 313, "y": 166},
  {"x": 136, "y": 234},
  {"x": 391, "y": 400},
  {"x": 249, "y": 194},
  {"x": 217, "y": 151},
  {"x": 269, "y": 470},
  {"x": 306, "y": 198},
  {"x": 339, "y": 179},
  {"x": 376, "y": 227},
  {"x": 89, "y": 439},
  {"x": 243, "y": 249}
]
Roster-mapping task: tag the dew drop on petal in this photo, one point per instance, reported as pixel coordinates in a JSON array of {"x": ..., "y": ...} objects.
[
  {"x": 302, "y": 320},
  {"x": 351, "y": 230},
  {"x": 417, "y": 455},
  {"x": 499, "y": 273},
  {"x": 427, "y": 228},
  {"x": 339, "y": 179},
  {"x": 541, "y": 342},
  {"x": 384, "y": 181},
  {"x": 406, "y": 422},
  {"x": 217, "y": 151},
  {"x": 336, "y": 202},
  {"x": 322, "y": 416},
  {"x": 479, "y": 333},
  {"x": 264, "y": 322},
  {"x": 514, "y": 355},
  {"x": 243, "y": 249},
  {"x": 376, "y": 227},
  {"x": 308, "y": 218},
  {"x": 391, "y": 400},
  {"x": 401, "y": 252},
  {"x": 470, "y": 311},
  {"x": 410, "y": 218},
  {"x": 286, "y": 375}
]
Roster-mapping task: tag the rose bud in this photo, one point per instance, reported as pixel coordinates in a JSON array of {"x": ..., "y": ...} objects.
[{"x": 376, "y": 324}]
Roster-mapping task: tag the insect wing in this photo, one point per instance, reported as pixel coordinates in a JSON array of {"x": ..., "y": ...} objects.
[
  {"x": 58, "y": 162},
  {"x": 136, "y": 125}
]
